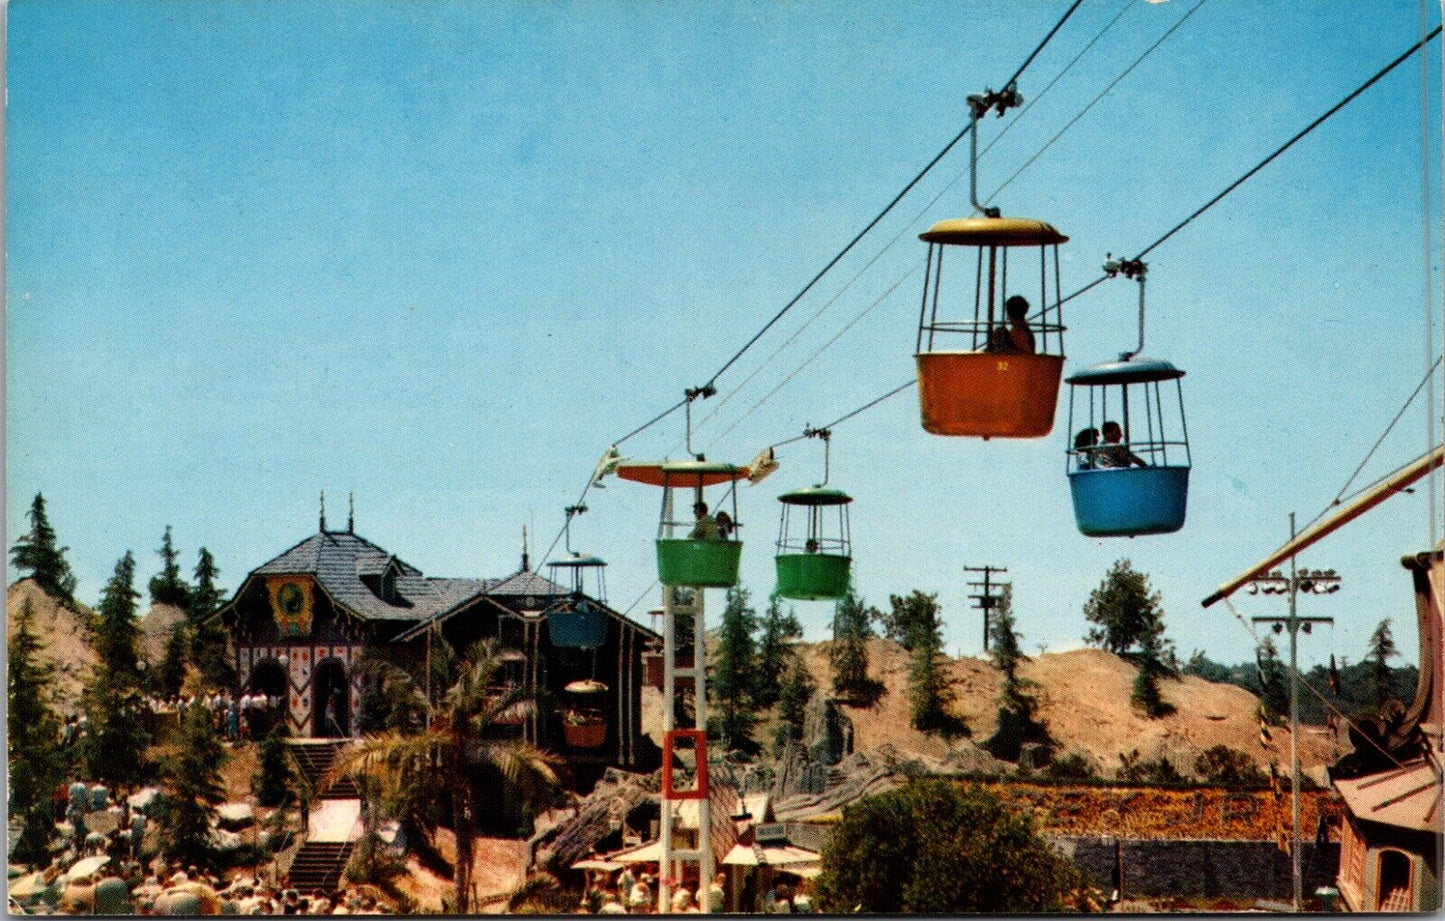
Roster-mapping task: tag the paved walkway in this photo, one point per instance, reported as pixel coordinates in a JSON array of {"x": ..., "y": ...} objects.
[{"x": 335, "y": 820}]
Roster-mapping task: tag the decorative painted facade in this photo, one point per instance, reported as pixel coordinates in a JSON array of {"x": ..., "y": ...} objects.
[{"x": 301, "y": 622}]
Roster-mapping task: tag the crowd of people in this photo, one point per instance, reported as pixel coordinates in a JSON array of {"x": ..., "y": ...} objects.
[
  {"x": 624, "y": 893},
  {"x": 130, "y": 888}
]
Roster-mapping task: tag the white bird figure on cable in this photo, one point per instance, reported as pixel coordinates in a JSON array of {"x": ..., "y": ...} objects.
[
  {"x": 761, "y": 466},
  {"x": 609, "y": 463}
]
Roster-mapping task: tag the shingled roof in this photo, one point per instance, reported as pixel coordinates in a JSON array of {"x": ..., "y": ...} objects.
[{"x": 349, "y": 568}]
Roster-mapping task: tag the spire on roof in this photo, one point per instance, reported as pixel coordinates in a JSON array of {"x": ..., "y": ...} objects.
[
  {"x": 526, "y": 564},
  {"x": 323, "y": 511},
  {"x": 351, "y": 513}
]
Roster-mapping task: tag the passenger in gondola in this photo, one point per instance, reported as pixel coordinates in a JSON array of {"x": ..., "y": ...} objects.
[
  {"x": 725, "y": 526},
  {"x": 706, "y": 527},
  {"x": 1114, "y": 455},
  {"x": 1016, "y": 337},
  {"x": 1084, "y": 448}
]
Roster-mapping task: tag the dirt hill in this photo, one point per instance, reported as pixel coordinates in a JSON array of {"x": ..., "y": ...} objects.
[
  {"x": 1084, "y": 699},
  {"x": 64, "y": 637}
]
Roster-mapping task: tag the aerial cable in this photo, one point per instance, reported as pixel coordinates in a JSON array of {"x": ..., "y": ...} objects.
[
  {"x": 896, "y": 199},
  {"x": 861, "y": 233},
  {"x": 922, "y": 211},
  {"x": 1242, "y": 179},
  {"x": 913, "y": 381},
  {"x": 1269, "y": 159},
  {"x": 819, "y": 351},
  {"x": 1085, "y": 110},
  {"x": 1340, "y": 496}
]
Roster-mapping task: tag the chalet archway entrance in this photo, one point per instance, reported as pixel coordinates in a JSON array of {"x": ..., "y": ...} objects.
[
  {"x": 330, "y": 701},
  {"x": 267, "y": 688}
]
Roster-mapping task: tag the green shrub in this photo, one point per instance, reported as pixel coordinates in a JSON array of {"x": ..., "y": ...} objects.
[{"x": 936, "y": 847}]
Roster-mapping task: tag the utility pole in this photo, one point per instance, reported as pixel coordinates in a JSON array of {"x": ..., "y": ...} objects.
[
  {"x": 986, "y": 600},
  {"x": 1318, "y": 582}
]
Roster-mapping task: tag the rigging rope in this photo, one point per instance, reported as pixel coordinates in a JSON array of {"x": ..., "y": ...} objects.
[
  {"x": 1249, "y": 628},
  {"x": 1340, "y": 496},
  {"x": 1425, "y": 169}
]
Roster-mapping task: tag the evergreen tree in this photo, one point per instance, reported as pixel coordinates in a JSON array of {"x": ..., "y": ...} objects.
[
  {"x": 931, "y": 688},
  {"x": 731, "y": 679},
  {"x": 793, "y": 695},
  {"x": 114, "y": 745},
  {"x": 167, "y": 586},
  {"x": 36, "y": 553},
  {"x": 1125, "y": 609},
  {"x": 171, "y": 675},
  {"x": 909, "y": 619},
  {"x": 35, "y": 764},
  {"x": 1017, "y": 707},
  {"x": 774, "y": 652},
  {"x": 848, "y": 653},
  {"x": 273, "y": 777},
  {"x": 1155, "y": 660},
  {"x": 192, "y": 788},
  {"x": 1382, "y": 650},
  {"x": 1272, "y": 683},
  {"x": 208, "y": 635},
  {"x": 205, "y": 597}
]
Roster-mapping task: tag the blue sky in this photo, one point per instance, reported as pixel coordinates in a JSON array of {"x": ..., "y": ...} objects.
[{"x": 443, "y": 254}]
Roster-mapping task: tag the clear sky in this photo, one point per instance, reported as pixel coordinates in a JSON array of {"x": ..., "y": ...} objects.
[{"x": 442, "y": 254}]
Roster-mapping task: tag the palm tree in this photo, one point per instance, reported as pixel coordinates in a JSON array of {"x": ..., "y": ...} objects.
[{"x": 443, "y": 762}]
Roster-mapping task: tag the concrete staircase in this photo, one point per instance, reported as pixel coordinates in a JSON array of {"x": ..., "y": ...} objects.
[
  {"x": 315, "y": 757},
  {"x": 317, "y": 867}
]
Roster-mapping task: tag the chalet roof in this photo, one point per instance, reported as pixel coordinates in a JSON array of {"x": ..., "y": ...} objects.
[
  {"x": 1405, "y": 797},
  {"x": 341, "y": 561},
  {"x": 348, "y": 568}
]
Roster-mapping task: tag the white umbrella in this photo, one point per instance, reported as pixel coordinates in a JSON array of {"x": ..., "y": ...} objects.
[{"x": 83, "y": 868}]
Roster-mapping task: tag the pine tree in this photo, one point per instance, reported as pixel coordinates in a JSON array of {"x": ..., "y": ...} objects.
[
  {"x": 36, "y": 553},
  {"x": 731, "y": 676},
  {"x": 909, "y": 619},
  {"x": 208, "y": 635},
  {"x": 35, "y": 764},
  {"x": 273, "y": 778},
  {"x": 167, "y": 586},
  {"x": 1272, "y": 683},
  {"x": 192, "y": 788},
  {"x": 1154, "y": 660},
  {"x": 794, "y": 692},
  {"x": 1017, "y": 707},
  {"x": 931, "y": 689},
  {"x": 1382, "y": 650},
  {"x": 205, "y": 597},
  {"x": 171, "y": 675},
  {"x": 1124, "y": 607},
  {"x": 848, "y": 653},
  {"x": 114, "y": 744},
  {"x": 774, "y": 652}
]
